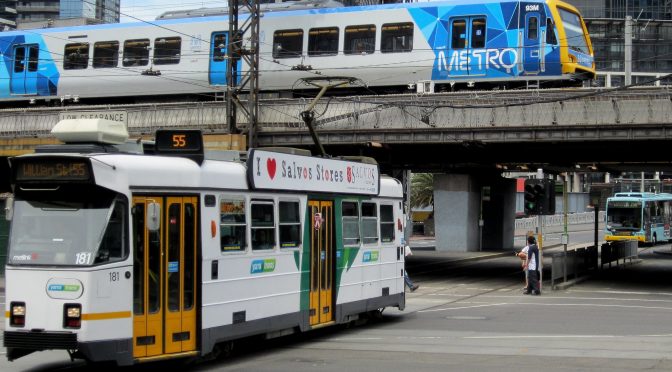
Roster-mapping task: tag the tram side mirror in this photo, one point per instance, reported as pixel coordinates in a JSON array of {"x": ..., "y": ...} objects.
[
  {"x": 153, "y": 216},
  {"x": 9, "y": 208}
]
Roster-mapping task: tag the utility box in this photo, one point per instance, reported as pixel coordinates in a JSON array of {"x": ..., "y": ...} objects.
[{"x": 425, "y": 86}]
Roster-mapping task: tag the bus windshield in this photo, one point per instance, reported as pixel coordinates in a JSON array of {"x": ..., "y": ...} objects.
[
  {"x": 622, "y": 217},
  {"x": 68, "y": 229},
  {"x": 576, "y": 38}
]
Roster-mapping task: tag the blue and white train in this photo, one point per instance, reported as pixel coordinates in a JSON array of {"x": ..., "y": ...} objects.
[{"x": 389, "y": 48}]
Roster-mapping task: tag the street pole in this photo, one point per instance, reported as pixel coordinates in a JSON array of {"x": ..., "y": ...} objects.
[
  {"x": 565, "y": 236},
  {"x": 628, "y": 50}
]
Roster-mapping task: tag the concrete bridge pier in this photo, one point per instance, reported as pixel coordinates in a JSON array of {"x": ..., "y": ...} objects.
[{"x": 459, "y": 200}]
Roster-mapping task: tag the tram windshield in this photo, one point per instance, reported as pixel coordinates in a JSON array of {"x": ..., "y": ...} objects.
[
  {"x": 576, "y": 38},
  {"x": 67, "y": 229}
]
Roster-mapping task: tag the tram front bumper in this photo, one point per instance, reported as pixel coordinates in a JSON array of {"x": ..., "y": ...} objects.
[{"x": 22, "y": 343}]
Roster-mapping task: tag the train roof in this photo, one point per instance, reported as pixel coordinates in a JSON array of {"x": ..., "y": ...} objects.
[{"x": 273, "y": 14}]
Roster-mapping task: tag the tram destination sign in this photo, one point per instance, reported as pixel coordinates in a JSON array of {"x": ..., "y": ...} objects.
[
  {"x": 36, "y": 169},
  {"x": 279, "y": 171}
]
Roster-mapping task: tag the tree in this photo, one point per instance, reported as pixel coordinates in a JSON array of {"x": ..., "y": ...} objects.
[{"x": 422, "y": 190}]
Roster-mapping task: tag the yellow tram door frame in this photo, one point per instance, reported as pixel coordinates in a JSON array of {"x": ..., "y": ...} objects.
[
  {"x": 321, "y": 262},
  {"x": 165, "y": 277}
]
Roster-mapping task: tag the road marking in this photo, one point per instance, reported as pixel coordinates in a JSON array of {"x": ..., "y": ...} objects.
[
  {"x": 623, "y": 292},
  {"x": 543, "y": 336},
  {"x": 547, "y": 304},
  {"x": 460, "y": 308}
]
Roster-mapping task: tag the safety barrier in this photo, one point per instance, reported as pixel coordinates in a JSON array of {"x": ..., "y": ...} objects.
[
  {"x": 617, "y": 251},
  {"x": 530, "y": 223},
  {"x": 578, "y": 262}
]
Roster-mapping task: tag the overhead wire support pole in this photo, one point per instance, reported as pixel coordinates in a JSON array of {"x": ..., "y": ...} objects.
[{"x": 238, "y": 49}]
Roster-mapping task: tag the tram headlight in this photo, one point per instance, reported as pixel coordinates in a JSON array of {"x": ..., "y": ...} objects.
[
  {"x": 17, "y": 316},
  {"x": 72, "y": 316}
]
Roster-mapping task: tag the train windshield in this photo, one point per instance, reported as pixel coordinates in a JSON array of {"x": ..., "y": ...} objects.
[
  {"x": 68, "y": 229},
  {"x": 576, "y": 38},
  {"x": 624, "y": 215}
]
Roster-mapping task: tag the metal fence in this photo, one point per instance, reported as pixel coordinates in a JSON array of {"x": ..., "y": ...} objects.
[
  {"x": 618, "y": 252},
  {"x": 575, "y": 263},
  {"x": 530, "y": 223}
]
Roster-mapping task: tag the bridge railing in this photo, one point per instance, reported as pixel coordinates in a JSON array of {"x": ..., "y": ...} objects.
[{"x": 452, "y": 111}]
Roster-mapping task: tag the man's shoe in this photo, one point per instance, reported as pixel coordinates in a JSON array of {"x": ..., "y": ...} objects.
[
  {"x": 414, "y": 287},
  {"x": 526, "y": 293}
]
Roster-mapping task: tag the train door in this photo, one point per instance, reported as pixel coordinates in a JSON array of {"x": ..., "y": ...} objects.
[
  {"x": 165, "y": 275},
  {"x": 321, "y": 261},
  {"x": 467, "y": 34},
  {"x": 531, "y": 43},
  {"x": 24, "y": 69},
  {"x": 218, "y": 62}
]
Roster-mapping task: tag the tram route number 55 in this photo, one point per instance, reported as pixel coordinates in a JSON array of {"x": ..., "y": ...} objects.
[{"x": 179, "y": 140}]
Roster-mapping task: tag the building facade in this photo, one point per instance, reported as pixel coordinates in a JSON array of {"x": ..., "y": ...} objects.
[{"x": 52, "y": 13}]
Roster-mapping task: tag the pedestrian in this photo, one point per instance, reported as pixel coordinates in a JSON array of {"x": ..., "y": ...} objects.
[
  {"x": 532, "y": 263},
  {"x": 409, "y": 282},
  {"x": 523, "y": 257}
]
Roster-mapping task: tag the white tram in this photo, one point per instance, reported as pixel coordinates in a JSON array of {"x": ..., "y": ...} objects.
[{"x": 129, "y": 257}]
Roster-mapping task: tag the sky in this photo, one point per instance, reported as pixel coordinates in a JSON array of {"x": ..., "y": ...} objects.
[{"x": 148, "y": 10}]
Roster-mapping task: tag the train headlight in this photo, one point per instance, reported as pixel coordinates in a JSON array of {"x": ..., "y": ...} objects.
[
  {"x": 72, "y": 316},
  {"x": 17, "y": 316}
]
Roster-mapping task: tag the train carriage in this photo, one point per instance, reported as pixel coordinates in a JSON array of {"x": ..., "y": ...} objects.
[
  {"x": 391, "y": 48},
  {"x": 131, "y": 257}
]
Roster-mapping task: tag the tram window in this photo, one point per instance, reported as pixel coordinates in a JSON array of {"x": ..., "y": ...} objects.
[
  {"x": 113, "y": 245},
  {"x": 76, "y": 56},
  {"x": 232, "y": 226},
  {"x": 263, "y": 225},
  {"x": 396, "y": 37},
  {"x": 167, "y": 50},
  {"x": 533, "y": 28},
  {"x": 360, "y": 39},
  {"x": 136, "y": 52},
  {"x": 288, "y": 44},
  {"x": 323, "y": 41},
  {"x": 386, "y": 223},
  {"x": 189, "y": 270},
  {"x": 350, "y": 223},
  {"x": 105, "y": 54},
  {"x": 290, "y": 224},
  {"x": 139, "y": 259},
  {"x": 478, "y": 33},
  {"x": 550, "y": 32},
  {"x": 369, "y": 223},
  {"x": 458, "y": 39}
]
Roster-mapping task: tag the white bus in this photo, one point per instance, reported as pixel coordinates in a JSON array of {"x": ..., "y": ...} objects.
[{"x": 130, "y": 257}]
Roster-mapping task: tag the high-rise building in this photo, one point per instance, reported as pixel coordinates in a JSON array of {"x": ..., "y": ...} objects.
[
  {"x": 51, "y": 13},
  {"x": 7, "y": 14}
]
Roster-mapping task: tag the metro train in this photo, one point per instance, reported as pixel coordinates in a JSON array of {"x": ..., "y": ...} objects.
[{"x": 391, "y": 48}]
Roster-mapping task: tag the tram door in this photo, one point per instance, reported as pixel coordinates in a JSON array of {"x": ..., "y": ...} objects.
[
  {"x": 321, "y": 261},
  {"x": 164, "y": 280}
]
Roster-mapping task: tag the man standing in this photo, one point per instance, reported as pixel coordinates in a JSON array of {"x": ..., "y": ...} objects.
[{"x": 532, "y": 264}]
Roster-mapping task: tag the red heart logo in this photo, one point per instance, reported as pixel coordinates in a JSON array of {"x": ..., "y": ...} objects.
[{"x": 270, "y": 165}]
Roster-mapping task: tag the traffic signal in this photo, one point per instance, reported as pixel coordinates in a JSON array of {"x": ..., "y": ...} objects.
[
  {"x": 532, "y": 189},
  {"x": 539, "y": 197}
]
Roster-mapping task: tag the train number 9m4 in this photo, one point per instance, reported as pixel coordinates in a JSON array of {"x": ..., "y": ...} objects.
[{"x": 392, "y": 48}]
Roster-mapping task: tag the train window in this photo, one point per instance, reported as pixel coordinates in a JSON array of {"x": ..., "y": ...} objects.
[
  {"x": 76, "y": 56},
  {"x": 533, "y": 28},
  {"x": 458, "y": 32},
  {"x": 350, "y": 223},
  {"x": 323, "y": 41},
  {"x": 290, "y": 224},
  {"x": 19, "y": 59},
  {"x": 478, "y": 33},
  {"x": 386, "y": 223},
  {"x": 288, "y": 44},
  {"x": 550, "y": 32},
  {"x": 136, "y": 53},
  {"x": 232, "y": 225},
  {"x": 360, "y": 39},
  {"x": 105, "y": 54},
  {"x": 33, "y": 58},
  {"x": 167, "y": 50},
  {"x": 396, "y": 37},
  {"x": 219, "y": 47},
  {"x": 369, "y": 223},
  {"x": 263, "y": 225}
]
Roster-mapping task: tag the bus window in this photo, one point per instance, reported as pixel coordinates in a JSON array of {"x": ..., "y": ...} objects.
[
  {"x": 232, "y": 225},
  {"x": 386, "y": 223},
  {"x": 369, "y": 223},
  {"x": 290, "y": 224},
  {"x": 263, "y": 225},
  {"x": 350, "y": 223}
]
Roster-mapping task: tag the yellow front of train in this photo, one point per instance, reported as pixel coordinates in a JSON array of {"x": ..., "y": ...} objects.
[{"x": 576, "y": 49}]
